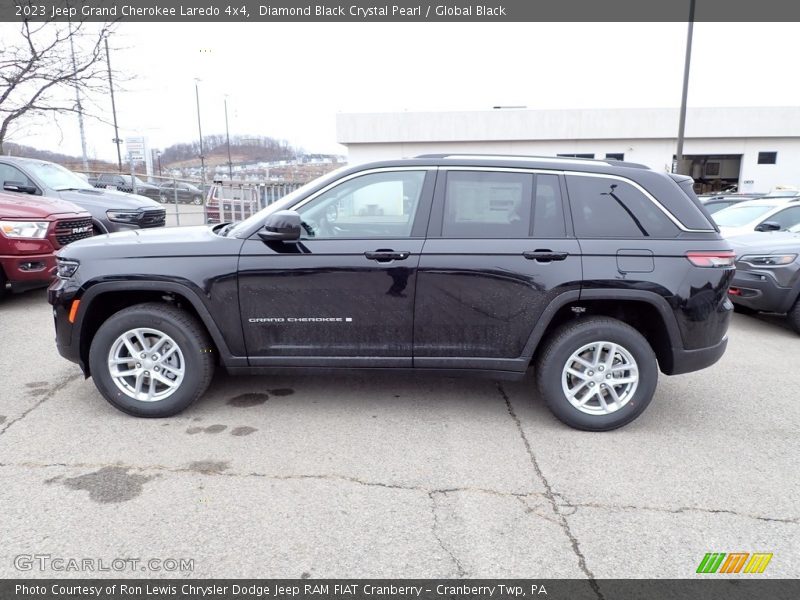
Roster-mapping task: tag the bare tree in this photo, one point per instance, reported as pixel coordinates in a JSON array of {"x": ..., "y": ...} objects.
[{"x": 38, "y": 76}]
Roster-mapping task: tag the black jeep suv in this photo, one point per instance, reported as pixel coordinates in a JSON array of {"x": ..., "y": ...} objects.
[{"x": 597, "y": 274}]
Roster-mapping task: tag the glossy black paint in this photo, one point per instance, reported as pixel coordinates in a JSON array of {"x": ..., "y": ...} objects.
[{"x": 423, "y": 301}]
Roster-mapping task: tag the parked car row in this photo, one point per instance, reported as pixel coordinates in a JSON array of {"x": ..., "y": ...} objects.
[
  {"x": 44, "y": 207},
  {"x": 765, "y": 235}
]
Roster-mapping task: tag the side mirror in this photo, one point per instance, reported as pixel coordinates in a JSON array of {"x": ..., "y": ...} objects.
[
  {"x": 769, "y": 226},
  {"x": 283, "y": 225},
  {"x": 18, "y": 186}
]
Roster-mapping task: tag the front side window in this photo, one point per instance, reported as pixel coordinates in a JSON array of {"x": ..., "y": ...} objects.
[
  {"x": 607, "y": 207},
  {"x": 787, "y": 218},
  {"x": 9, "y": 174},
  {"x": 376, "y": 205}
]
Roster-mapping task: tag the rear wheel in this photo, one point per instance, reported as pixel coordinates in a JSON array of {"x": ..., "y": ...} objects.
[
  {"x": 197, "y": 200},
  {"x": 597, "y": 373},
  {"x": 151, "y": 360}
]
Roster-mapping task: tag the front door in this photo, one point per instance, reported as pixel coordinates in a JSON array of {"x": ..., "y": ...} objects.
[{"x": 343, "y": 294}]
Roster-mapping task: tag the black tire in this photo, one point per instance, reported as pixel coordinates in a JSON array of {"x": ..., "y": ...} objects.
[
  {"x": 794, "y": 316},
  {"x": 188, "y": 334},
  {"x": 197, "y": 200},
  {"x": 568, "y": 339},
  {"x": 2, "y": 283}
]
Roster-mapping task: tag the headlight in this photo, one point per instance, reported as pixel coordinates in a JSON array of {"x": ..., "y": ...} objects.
[
  {"x": 768, "y": 260},
  {"x": 123, "y": 216},
  {"x": 66, "y": 267},
  {"x": 24, "y": 229}
]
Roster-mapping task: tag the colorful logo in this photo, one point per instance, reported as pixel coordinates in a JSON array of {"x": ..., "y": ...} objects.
[{"x": 734, "y": 562}]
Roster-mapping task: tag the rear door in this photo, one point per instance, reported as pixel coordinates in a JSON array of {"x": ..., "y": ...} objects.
[
  {"x": 343, "y": 295},
  {"x": 498, "y": 251}
]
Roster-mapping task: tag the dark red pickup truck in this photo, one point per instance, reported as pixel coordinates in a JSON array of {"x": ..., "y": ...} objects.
[{"x": 30, "y": 232}]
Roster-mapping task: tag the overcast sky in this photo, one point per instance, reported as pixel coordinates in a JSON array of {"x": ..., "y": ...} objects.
[{"x": 288, "y": 80}]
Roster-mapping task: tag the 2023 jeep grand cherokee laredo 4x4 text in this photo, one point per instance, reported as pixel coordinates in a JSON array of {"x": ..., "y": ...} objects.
[
  {"x": 30, "y": 233},
  {"x": 598, "y": 274}
]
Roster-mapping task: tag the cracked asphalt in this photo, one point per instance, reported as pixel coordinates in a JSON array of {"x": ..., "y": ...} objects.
[{"x": 397, "y": 476}]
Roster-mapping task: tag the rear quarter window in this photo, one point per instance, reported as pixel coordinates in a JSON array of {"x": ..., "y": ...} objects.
[{"x": 605, "y": 207}]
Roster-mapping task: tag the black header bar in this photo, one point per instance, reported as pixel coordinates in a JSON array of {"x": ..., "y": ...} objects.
[
  {"x": 746, "y": 587},
  {"x": 197, "y": 11}
]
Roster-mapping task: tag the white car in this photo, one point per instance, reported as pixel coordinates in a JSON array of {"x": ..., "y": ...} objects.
[{"x": 770, "y": 213}]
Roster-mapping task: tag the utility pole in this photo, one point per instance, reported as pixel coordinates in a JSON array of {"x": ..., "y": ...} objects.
[
  {"x": 78, "y": 102},
  {"x": 228, "y": 136},
  {"x": 682, "y": 123},
  {"x": 116, "y": 139},
  {"x": 200, "y": 130}
]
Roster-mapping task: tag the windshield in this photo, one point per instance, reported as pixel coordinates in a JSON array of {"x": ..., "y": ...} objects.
[
  {"x": 57, "y": 177},
  {"x": 287, "y": 200},
  {"x": 737, "y": 216},
  {"x": 782, "y": 194}
]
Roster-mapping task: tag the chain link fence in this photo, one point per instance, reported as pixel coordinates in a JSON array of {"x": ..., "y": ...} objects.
[{"x": 190, "y": 202}]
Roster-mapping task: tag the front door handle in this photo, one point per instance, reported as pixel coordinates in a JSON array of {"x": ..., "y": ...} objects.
[
  {"x": 544, "y": 255},
  {"x": 387, "y": 255}
]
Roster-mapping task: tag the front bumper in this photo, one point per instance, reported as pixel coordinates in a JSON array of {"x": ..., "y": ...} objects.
[
  {"x": 28, "y": 271},
  {"x": 759, "y": 290},
  {"x": 60, "y": 295}
]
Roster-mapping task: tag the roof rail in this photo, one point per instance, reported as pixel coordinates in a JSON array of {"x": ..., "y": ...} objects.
[{"x": 561, "y": 159}]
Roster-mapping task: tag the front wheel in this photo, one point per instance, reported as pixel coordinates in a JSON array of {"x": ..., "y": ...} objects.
[
  {"x": 794, "y": 316},
  {"x": 151, "y": 360},
  {"x": 597, "y": 373}
]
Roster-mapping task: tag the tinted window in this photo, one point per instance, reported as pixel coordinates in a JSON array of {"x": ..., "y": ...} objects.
[
  {"x": 548, "y": 211},
  {"x": 9, "y": 173},
  {"x": 615, "y": 155},
  {"x": 487, "y": 205},
  {"x": 787, "y": 218},
  {"x": 371, "y": 206},
  {"x": 767, "y": 158},
  {"x": 604, "y": 207}
]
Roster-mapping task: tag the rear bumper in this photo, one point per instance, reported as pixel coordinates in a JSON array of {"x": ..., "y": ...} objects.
[
  {"x": 30, "y": 271},
  {"x": 760, "y": 291},
  {"x": 686, "y": 361}
]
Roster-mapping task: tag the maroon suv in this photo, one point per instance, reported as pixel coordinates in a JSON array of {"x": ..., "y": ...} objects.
[{"x": 31, "y": 230}]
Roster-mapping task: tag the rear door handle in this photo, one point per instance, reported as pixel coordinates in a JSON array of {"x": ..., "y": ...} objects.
[
  {"x": 544, "y": 255},
  {"x": 387, "y": 255}
]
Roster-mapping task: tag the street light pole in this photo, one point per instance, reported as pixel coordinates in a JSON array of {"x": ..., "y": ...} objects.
[
  {"x": 687, "y": 62},
  {"x": 228, "y": 136},
  {"x": 200, "y": 130},
  {"x": 116, "y": 139}
]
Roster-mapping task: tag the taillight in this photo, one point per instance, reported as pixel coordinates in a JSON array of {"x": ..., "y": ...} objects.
[
  {"x": 735, "y": 292},
  {"x": 716, "y": 258}
]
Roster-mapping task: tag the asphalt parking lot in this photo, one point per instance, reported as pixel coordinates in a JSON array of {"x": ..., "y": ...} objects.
[{"x": 396, "y": 476}]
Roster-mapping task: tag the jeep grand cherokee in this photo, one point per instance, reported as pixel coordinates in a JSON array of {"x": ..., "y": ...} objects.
[{"x": 598, "y": 274}]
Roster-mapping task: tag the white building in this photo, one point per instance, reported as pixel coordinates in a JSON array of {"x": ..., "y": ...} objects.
[{"x": 754, "y": 148}]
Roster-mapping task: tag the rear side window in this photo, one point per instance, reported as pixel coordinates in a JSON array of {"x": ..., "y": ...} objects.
[
  {"x": 481, "y": 204},
  {"x": 548, "y": 211},
  {"x": 603, "y": 207},
  {"x": 487, "y": 205}
]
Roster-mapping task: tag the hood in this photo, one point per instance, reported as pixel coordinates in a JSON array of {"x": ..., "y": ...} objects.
[
  {"x": 23, "y": 206},
  {"x": 157, "y": 242},
  {"x": 766, "y": 242},
  {"x": 108, "y": 199}
]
